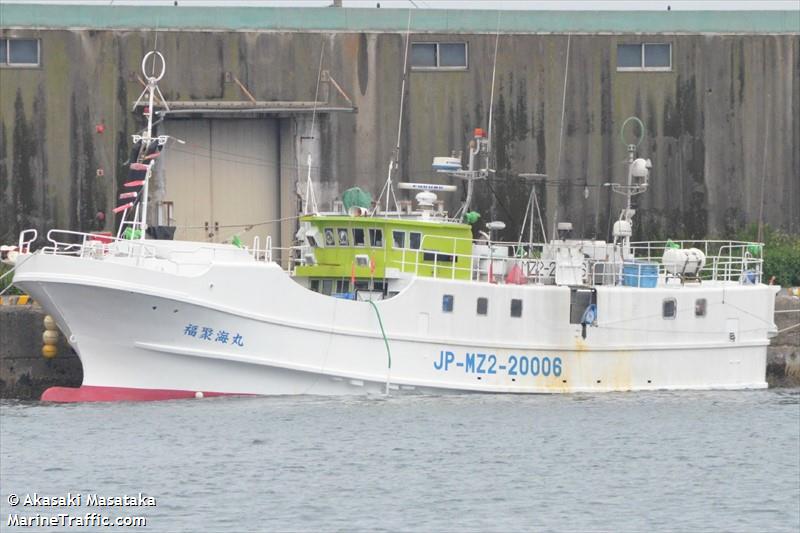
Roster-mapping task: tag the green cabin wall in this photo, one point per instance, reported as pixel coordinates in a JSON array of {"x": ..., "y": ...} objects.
[{"x": 338, "y": 262}]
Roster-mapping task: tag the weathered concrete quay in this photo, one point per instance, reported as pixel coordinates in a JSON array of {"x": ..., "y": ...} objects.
[
  {"x": 783, "y": 363},
  {"x": 25, "y": 373}
]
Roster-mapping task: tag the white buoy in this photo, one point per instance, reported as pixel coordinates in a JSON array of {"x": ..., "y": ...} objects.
[{"x": 198, "y": 394}]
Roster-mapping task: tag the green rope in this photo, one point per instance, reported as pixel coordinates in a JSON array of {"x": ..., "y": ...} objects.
[{"x": 385, "y": 340}]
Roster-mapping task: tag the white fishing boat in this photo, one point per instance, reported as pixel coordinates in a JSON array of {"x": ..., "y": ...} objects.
[{"x": 379, "y": 300}]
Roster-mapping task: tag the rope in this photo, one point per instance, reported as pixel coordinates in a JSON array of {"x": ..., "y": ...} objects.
[
  {"x": 491, "y": 95},
  {"x": 386, "y": 342},
  {"x": 418, "y": 173},
  {"x": 563, "y": 110},
  {"x": 249, "y": 226},
  {"x": 12, "y": 269},
  {"x": 683, "y": 309},
  {"x": 790, "y": 327},
  {"x": 760, "y": 237},
  {"x": 309, "y": 184}
]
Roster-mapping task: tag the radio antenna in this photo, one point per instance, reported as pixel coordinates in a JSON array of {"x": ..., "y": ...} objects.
[
  {"x": 396, "y": 153},
  {"x": 309, "y": 197}
]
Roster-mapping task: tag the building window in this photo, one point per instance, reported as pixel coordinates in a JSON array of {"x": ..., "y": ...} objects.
[
  {"x": 644, "y": 56},
  {"x": 399, "y": 239},
  {"x": 669, "y": 308},
  {"x": 343, "y": 240},
  {"x": 439, "y": 56},
  {"x": 700, "y": 307},
  {"x": 516, "y": 308},
  {"x": 329, "y": 238},
  {"x": 414, "y": 240},
  {"x": 376, "y": 238},
  {"x": 19, "y": 52},
  {"x": 447, "y": 303},
  {"x": 358, "y": 237},
  {"x": 483, "y": 306}
]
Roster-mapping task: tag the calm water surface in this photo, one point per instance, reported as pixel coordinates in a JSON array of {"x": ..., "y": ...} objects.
[{"x": 616, "y": 462}]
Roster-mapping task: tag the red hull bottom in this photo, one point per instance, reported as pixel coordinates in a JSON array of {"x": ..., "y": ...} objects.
[{"x": 90, "y": 393}]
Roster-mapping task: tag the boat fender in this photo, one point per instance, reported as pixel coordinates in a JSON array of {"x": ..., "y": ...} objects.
[{"x": 49, "y": 338}]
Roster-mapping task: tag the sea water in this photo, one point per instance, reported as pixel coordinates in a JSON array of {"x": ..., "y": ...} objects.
[{"x": 666, "y": 461}]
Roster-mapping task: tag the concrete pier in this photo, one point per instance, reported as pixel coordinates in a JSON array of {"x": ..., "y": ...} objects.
[
  {"x": 25, "y": 373},
  {"x": 783, "y": 363}
]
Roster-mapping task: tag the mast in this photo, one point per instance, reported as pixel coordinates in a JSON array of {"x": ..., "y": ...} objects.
[
  {"x": 637, "y": 183},
  {"x": 396, "y": 152},
  {"x": 149, "y": 144},
  {"x": 311, "y": 200},
  {"x": 481, "y": 144}
]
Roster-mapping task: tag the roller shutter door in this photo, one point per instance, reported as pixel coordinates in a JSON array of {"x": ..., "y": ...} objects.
[{"x": 224, "y": 179}]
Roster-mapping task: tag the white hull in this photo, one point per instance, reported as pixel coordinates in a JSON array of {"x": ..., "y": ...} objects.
[{"x": 133, "y": 334}]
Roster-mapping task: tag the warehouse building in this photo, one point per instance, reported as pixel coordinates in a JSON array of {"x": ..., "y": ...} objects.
[{"x": 718, "y": 93}]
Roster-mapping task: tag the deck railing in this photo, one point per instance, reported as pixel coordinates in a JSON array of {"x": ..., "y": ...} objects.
[
  {"x": 95, "y": 246},
  {"x": 497, "y": 261},
  {"x": 725, "y": 260},
  {"x": 512, "y": 262}
]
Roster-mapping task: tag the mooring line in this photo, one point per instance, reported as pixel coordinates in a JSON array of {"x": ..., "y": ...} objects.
[{"x": 386, "y": 342}]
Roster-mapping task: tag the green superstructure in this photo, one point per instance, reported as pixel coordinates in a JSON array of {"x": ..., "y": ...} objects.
[{"x": 371, "y": 249}]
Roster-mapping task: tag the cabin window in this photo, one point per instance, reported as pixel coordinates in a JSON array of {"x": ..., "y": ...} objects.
[
  {"x": 315, "y": 285},
  {"x": 342, "y": 285},
  {"x": 327, "y": 286},
  {"x": 414, "y": 240},
  {"x": 312, "y": 241},
  {"x": 516, "y": 308},
  {"x": 700, "y": 307},
  {"x": 399, "y": 239},
  {"x": 669, "y": 308},
  {"x": 438, "y": 257},
  {"x": 438, "y": 56},
  {"x": 362, "y": 285},
  {"x": 330, "y": 240},
  {"x": 343, "y": 237},
  {"x": 19, "y": 52},
  {"x": 376, "y": 237},
  {"x": 483, "y": 306},
  {"x": 447, "y": 303},
  {"x": 644, "y": 56},
  {"x": 358, "y": 237}
]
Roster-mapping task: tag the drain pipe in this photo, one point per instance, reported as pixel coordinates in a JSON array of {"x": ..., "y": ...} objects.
[{"x": 386, "y": 342}]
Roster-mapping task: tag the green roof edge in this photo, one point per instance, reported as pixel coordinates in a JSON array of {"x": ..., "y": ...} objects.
[{"x": 44, "y": 16}]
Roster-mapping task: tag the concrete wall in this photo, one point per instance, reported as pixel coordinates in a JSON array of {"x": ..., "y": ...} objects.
[
  {"x": 24, "y": 373},
  {"x": 720, "y": 124},
  {"x": 783, "y": 362}
]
